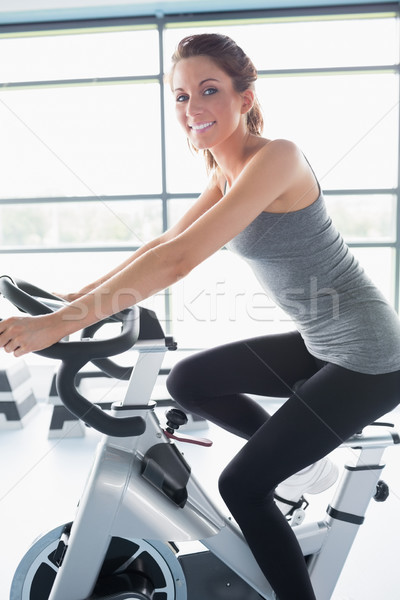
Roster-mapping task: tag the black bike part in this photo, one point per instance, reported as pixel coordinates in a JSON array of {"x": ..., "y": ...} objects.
[
  {"x": 125, "y": 586},
  {"x": 59, "y": 554},
  {"x": 208, "y": 578},
  {"x": 143, "y": 567},
  {"x": 18, "y": 295},
  {"x": 176, "y": 418},
  {"x": 75, "y": 354},
  {"x": 382, "y": 491},
  {"x": 34, "y": 290},
  {"x": 88, "y": 348},
  {"x": 107, "y": 366},
  {"x": 149, "y": 329},
  {"x": 34, "y": 306},
  {"x": 140, "y": 568},
  {"x": 165, "y": 468},
  {"x": 89, "y": 413}
]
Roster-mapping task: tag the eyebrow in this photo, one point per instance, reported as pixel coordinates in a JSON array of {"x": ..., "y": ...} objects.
[{"x": 200, "y": 84}]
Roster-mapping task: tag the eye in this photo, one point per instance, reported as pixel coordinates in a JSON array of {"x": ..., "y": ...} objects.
[
  {"x": 182, "y": 98},
  {"x": 209, "y": 91}
]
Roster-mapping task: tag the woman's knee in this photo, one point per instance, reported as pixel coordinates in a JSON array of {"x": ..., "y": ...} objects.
[
  {"x": 182, "y": 383},
  {"x": 228, "y": 484},
  {"x": 238, "y": 489}
]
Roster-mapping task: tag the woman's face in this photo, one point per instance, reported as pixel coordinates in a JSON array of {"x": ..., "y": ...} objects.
[{"x": 207, "y": 106}]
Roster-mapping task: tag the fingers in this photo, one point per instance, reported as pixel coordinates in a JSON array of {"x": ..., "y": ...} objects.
[
  {"x": 22, "y": 335},
  {"x": 13, "y": 348},
  {"x": 18, "y": 352},
  {"x": 4, "y": 334},
  {"x": 9, "y": 339}
]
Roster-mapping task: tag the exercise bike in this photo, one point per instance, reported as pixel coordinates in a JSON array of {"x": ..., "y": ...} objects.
[{"x": 142, "y": 503}]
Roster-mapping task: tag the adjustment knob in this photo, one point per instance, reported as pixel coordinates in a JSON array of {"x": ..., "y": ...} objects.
[
  {"x": 176, "y": 418},
  {"x": 382, "y": 491}
]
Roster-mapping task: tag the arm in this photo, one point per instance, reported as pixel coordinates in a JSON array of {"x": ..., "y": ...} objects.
[
  {"x": 275, "y": 169},
  {"x": 91, "y": 286},
  {"x": 208, "y": 198},
  {"x": 27, "y": 334}
]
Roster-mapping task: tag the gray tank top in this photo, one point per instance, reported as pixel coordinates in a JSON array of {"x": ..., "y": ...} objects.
[{"x": 306, "y": 268}]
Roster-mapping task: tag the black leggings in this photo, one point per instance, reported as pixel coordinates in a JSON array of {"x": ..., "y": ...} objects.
[{"x": 331, "y": 405}]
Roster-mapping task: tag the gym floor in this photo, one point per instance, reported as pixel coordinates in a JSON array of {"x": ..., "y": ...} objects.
[{"x": 41, "y": 480}]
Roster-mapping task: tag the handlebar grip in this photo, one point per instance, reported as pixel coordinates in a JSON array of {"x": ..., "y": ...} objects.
[
  {"x": 75, "y": 354},
  {"x": 64, "y": 350},
  {"x": 95, "y": 351},
  {"x": 110, "y": 368},
  {"x": 106, "y": 365},
  {"x": 21, "y": 298},
  {"x": 89, "y": 413},
  {"x": 34, "y": 290}
]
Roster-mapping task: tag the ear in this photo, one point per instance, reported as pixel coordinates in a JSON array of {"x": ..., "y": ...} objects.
[{"x": 247, "y": 101}]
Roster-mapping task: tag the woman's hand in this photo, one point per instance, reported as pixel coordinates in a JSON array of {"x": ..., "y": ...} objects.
[{"x": 20, "y": 335}]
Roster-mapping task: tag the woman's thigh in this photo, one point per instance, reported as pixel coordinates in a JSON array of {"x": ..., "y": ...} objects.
[
  {"x": 266, "y": 365},
  {"x": 328, "y": 408}
]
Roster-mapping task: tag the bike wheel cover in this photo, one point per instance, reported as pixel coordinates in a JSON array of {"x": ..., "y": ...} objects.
[{"x": 36, "y": 572}]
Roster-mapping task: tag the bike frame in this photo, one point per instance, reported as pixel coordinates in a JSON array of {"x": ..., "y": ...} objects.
[{"x": 118, "y": 501}]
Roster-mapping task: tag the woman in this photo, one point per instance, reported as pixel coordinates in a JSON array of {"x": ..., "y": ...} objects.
[{"x": 262, "y": 200}]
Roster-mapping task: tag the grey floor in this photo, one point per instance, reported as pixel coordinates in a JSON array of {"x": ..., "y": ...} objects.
[{"x": 41, "y": 480}]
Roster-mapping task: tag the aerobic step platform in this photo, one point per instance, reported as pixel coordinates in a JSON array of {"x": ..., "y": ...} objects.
[{"x": 17, "y": 399}]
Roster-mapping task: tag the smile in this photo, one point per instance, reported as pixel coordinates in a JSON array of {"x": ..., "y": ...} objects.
[{"x": 201, "y": 126}]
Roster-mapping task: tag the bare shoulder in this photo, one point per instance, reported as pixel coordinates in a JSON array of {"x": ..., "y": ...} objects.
[
  {"x": 281, "y": 149},
  {"x": 276, "y": 163},
  {"x": 286, "y": 160},
  {"x": 279, "y": 158}
]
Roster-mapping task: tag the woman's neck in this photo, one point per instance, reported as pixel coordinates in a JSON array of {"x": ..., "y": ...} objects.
[{"x": 233, "y": 155}]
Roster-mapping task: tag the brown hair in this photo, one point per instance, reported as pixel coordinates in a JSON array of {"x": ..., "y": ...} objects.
[{"x": 230, "y": 58}]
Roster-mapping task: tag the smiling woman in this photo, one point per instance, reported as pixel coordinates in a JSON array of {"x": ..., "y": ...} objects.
[
  {"x": 209, "y": 105},
  {"x": 264, "y": 201},
  {"x": 65, "y": 144},
  {"x": 209, "y": 73}
]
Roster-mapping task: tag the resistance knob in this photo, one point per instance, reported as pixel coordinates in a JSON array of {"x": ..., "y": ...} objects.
[{"x": 175, "y": 418}]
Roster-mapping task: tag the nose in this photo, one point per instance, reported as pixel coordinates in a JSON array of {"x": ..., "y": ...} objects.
[{"x": 193, "y": 107}]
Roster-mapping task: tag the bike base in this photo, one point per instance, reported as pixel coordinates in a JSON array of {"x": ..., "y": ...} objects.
[{"x": 207, "y": 577}]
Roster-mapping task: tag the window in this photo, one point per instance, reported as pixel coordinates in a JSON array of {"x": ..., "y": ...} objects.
[{"x": 94, "y": 164}]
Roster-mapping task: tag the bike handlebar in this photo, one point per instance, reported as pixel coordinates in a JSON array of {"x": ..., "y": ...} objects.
[{"x": 75, "y": 354}]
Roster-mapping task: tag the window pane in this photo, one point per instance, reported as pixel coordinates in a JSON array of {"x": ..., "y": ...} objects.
[
  {"x": 221, "y": 300},
  {"x": 301, "y": 44},
  {"x": 314, "y": 43},
  {"x": 177, "y": 208},
  {"x": 80, "y": 141},
  {"x": 347, "y": 125},
  {"x": 68, "y": 272},
  {"x": 80, "y": 223},
  {"x": 79, "y": 55},
  {"x": 364, "y": 218}
]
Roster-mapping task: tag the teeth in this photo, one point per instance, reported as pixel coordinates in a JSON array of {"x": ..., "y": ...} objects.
[{"x": 201, "y": 126}]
